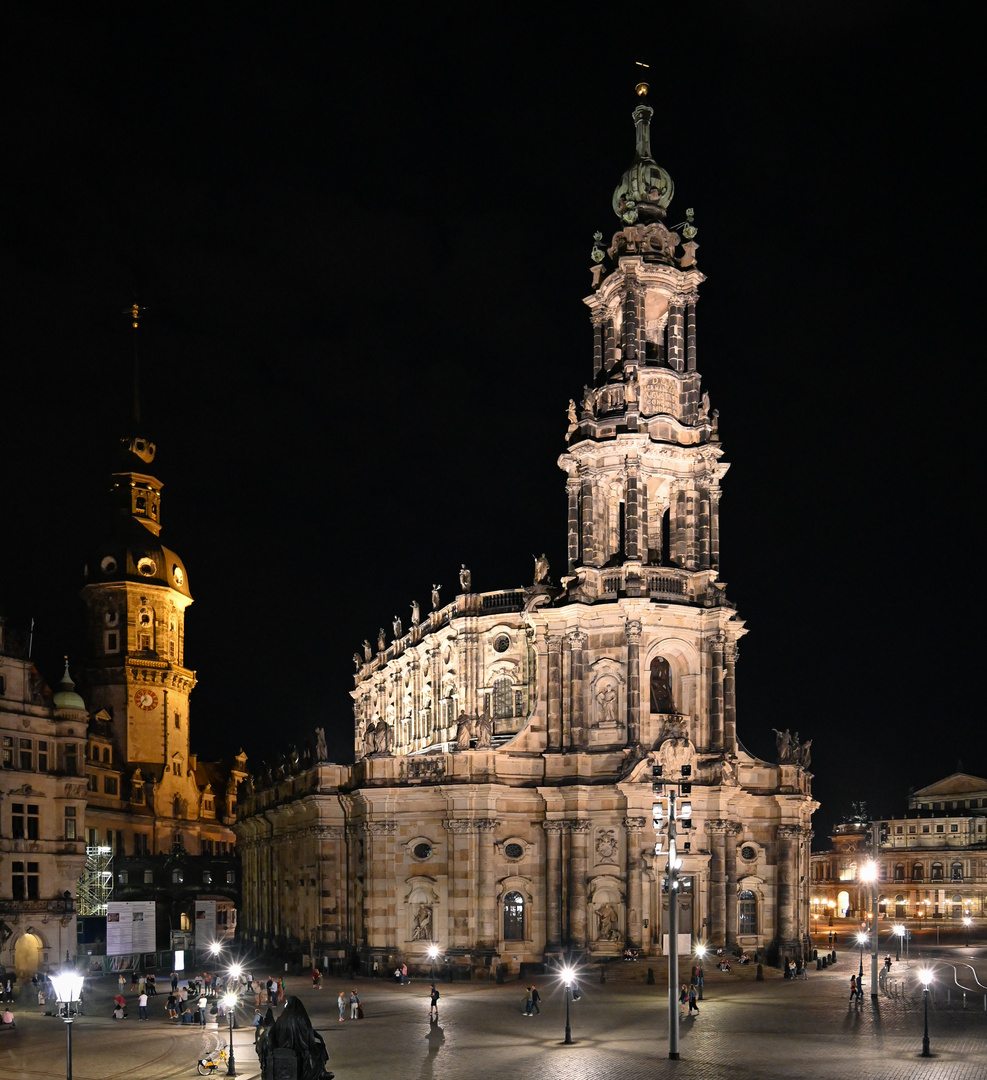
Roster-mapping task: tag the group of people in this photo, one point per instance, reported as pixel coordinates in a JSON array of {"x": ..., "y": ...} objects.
[{"x": 356, "y": 1009}]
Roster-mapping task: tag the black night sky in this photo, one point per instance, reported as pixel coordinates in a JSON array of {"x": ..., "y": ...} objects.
[{"x": 363, "y": 244}]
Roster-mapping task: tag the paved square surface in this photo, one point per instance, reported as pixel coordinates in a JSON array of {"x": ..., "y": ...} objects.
[{"x": 745, "y": 1029}]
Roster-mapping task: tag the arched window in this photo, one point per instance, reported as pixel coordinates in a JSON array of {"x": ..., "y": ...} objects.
[
  {"x": 899, "y": 872},
  {"x": 937, "y": 871},
  {"x": 503, "y": 698},
  {"x": 956, "y": 872},
  {"x": 662, "y": 700},
  {"x": 917, "y": 873},
  {"x": 747, "y": 911},
  {"x": 514, "y": 917}
]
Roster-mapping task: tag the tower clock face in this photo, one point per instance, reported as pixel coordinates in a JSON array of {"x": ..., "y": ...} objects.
[{"x": 145, "y": 699}]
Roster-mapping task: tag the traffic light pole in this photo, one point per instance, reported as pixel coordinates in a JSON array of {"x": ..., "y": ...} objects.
[{"x": 673, "y": 934}]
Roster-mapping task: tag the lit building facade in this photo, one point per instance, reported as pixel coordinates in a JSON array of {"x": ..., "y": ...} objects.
[
  {"x": 42, "y": 807},
  {"x": 165, "y": 816},
  {"x": 506, "y": 742},
  {"x": 931, "y": 863}
]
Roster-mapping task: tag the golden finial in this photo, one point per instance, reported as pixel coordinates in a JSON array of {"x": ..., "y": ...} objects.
[
  {"x": 641, "y": 89},
  {"x": 134, "y": 311}
]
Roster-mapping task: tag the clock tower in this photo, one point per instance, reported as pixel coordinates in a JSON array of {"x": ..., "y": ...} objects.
[{"x": 136, "y": 592}]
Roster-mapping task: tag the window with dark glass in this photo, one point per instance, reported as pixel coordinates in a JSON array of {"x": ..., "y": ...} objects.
[
  {"x": 42, "y": 755},
  {"x": 747, "y": 912},
  {"x": 514, "y": 917},
  {"x": 26, "y": 754},
  {"x": 70, "y": 823},
  {"x": 503, "y": 698}
]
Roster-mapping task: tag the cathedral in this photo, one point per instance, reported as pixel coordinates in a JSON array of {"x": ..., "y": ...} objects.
[{"x": 507, "y": 743}]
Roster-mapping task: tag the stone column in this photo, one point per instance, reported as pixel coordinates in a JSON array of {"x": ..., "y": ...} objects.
[
  {"x": 415, "y": 731},
  {"x": 716, "y": 645},
  {"x": 553, "y": 884},
  {"x": 629, "y": 330},
  {"x": 787, "y": 870},
  {"x": 632, "y": 629},
  {"x": 460, "y": 881},
  {"x": 676, "y": 335},
  {"x": 730, "y": 697},
  {"x": 554, "y": 702},
  {"x": 572, "y": 490},
  {"x": 486, "y": 885},
  {"x": 635, "y": 915},
  {"x": 380, "y": 914},
  {"x": 717, "y": 881},
  {"x": 435, "y": 674},
  {"x": 579, "y": 837},
  {"x": 714, "y": 527},
  {"x": 577, "y": 643},
  {"x": 588, "y": 525},
  {"x": 703, "y": 528},
  {"x": 732, "y": 831},
  {"x": 632, "y": 525},
  {"x": 610, "y": 348},
  {"x": 690, "y": 332},
  {"x": 597, "y": 342}
]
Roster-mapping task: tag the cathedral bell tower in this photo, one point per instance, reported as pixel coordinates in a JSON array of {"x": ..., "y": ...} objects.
[
  {"x": 644, "y": 460},
  {"x": 136, "y": 593}
]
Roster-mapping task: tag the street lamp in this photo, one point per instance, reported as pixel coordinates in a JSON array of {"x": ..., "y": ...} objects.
[
  {"x": 701, "y": 956},
  {"x": 926, "y": 977},
  {"x": 861, "y": 941},
  {"x": 868, "y": 875},
  {"x": 433, "y": 952},
  {"x": 68, "y": 990},
  {"x": 230, "y": 1002},
  {"x": 567, "y": 977},
  {"x": 899, "y": 933},
  {"x": 966, "y": 922}
]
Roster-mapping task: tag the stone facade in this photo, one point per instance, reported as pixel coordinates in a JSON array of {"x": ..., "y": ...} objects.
[
  {"x": 931, "y": 863},
  {"x": 42, "y": 804},
  {"x": 500, "y": 805},
  {"x": 160, "y": 810}
]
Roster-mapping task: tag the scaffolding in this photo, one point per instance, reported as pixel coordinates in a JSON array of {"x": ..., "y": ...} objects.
[{"x": 96, "y": 883}]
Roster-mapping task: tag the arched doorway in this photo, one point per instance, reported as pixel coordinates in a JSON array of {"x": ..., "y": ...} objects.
[
  {"x": 27, "y": 954},
  {"x": 842, "y": 903}
]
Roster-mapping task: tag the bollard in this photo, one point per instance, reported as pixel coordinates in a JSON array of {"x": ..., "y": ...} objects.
[
  {"x": 819, "y": 963},
  {"x": 651, "y": 982},
  {"x": 759, "y": 977},
  {"x": 603, "y": 973}
]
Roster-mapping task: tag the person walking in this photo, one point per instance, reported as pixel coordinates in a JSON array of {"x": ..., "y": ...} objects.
[
  {"x": 700, "y": 979},
  {"x": 693, "y": 1007},
  {"x": 341, "y": 1002},
  {"x": 683, "y": 999},
  {"x": 535, "y": 998},
  {"x": 152, "y": 985},
  {"x": 174, "y": 982},
  {"x": 853, "y": 989},
  {"x": 529, "y": 1002},
  {"x": 433, "y": 1005},
  {"x": 354, "y": 1005}
]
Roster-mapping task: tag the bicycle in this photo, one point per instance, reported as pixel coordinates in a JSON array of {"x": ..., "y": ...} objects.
[{"x": 211, "y": 1064}]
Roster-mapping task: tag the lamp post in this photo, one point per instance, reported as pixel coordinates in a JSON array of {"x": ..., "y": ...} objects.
[
  {"x": 898, "y": 931},
  {"x": 230, "y": 1002},
  {"x": 700, "y": 956},
  {"x": 966, "y": 922},
  {"x": 433, "y": 952},
  {"x": 567, "y": 977},
  {"x": 926, "y": 977},
  {"x": 68, "y": 990},
  {"x": 868, "y": 875},
  {"x": 861, "y": 941}
]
